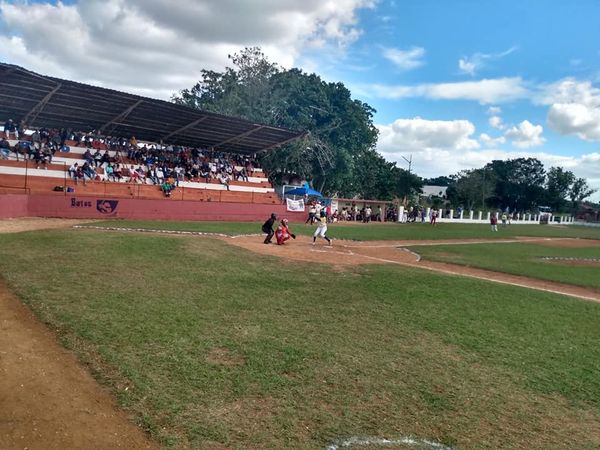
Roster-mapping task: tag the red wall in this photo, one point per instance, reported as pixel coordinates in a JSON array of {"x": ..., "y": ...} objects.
[
  {"x": 13, "y": 205},
  {"x": 80, "y": 207}
]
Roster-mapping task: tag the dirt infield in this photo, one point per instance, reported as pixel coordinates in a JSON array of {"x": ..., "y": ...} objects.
[
  {"x": 48, "y": 400},
  {"x": 344, "y": 253}
]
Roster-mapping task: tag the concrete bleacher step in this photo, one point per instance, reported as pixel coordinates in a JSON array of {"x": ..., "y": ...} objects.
[{"x": 46, "y": 185}]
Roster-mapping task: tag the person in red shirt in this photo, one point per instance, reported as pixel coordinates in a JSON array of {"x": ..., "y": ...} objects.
[
  {"x": 494, "y": 221},
  {"x": 283, "y": 232}
]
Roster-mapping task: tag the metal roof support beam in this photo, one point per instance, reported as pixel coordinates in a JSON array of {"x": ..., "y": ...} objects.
[
  {"x": 277, "y": 144},
  {"x": 37, "y": 109},
  {"x": 121, "y": 116},
  {"x": 186, "y": 127},
  {"x": 239, "y": 136}
]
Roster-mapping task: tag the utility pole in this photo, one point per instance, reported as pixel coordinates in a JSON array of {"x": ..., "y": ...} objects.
[{"x": 409, "y": 161}]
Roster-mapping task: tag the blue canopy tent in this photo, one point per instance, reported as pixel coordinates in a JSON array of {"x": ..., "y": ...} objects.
[{"x": 305, "y": 190}]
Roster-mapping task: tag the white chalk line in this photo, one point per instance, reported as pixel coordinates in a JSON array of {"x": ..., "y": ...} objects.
[
  {"x": 479, "y": 277},
  {"x": 151, "y": 230},
  {"x": 442, "y": 242},
  {"x": 383, "y": 442}
]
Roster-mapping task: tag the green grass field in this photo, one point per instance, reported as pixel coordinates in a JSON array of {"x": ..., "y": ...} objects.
[
  {"x": 520, "y": 259},
  {"x": 222, "y": 348},
  {"x": 376, "y": 231}
]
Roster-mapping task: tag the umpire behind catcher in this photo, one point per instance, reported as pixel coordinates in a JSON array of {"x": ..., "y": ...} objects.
[{"x": 268, "y": 228}]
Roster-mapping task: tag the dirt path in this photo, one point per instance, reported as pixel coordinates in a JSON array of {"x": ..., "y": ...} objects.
[
  {"x": 391, "y": 252},
  {"x": 48, "y": 401},
  {"x": 37, "y": 223}
]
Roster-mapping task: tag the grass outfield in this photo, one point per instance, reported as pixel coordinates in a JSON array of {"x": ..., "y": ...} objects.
[
  {"x": 211, "y": 346},
  {"x": 374, "y": 231},
  {"x": 521, "y": 259}
]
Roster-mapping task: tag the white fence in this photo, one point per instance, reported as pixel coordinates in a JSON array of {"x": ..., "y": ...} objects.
[{"x": 480, "y": 217}]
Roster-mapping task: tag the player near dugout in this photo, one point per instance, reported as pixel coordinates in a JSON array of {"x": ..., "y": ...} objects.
[{"x": 321, "y": 229}]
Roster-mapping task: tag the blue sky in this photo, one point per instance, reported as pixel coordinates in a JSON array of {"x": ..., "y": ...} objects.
[{"x": 455, "y": 83}]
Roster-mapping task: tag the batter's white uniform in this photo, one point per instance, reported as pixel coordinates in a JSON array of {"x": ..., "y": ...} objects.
[{"x": 322, "y": 228}]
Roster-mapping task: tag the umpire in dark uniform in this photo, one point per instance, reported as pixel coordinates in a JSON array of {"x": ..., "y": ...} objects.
[{"x": 268, "y": 228}]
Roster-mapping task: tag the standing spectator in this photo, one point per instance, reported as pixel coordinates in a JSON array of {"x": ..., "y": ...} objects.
[
  {"x": 312, "y": 214},
  {"x": 434, "y": 215},
  {"x": 494, "y": 221},
  {"x": 368, "y": 212}
]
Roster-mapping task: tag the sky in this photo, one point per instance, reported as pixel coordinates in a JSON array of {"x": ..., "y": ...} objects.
[{"x": 455, "y": 83}]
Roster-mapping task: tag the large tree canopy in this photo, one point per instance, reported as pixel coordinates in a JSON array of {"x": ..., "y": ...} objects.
[
  {"x": 338, "y": 151},
  {"x": 520, "y": 184}
]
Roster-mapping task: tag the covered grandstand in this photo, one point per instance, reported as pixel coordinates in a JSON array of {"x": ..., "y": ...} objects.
[{"x": 45, "y": 102}]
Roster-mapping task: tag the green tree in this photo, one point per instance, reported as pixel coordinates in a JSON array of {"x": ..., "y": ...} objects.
[
  {"x": 558, "y": 187},
  {"x": 340, "y": 131},
  {"x": 519, "y": 183},
  {"x": 472, "y": 188},
  {"x": 579, "y": 191}
]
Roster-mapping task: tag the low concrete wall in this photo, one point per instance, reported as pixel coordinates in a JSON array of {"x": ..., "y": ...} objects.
[
  {"x": 13, "y": 205},
  {"x": 84, "y": 207}
]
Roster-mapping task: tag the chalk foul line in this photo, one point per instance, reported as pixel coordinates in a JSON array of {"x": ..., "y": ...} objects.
[{"x": 383, "y": 442}]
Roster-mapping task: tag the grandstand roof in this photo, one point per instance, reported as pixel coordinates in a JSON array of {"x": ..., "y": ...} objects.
[{"x": 44, "y": 101}]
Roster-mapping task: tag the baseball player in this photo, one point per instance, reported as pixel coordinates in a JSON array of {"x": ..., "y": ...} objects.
[
  {"x": 321, "y": 229},
  {"x": 283, "y": 233}
]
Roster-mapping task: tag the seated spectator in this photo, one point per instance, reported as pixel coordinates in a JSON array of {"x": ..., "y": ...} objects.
[
  {"x": 97, "y": 158},
  {"x": 4, "y": 148},
  {"x": 79, "y": 175},
  {"x": 110, "y": 172},
  {"x": 167, "y": 188},
  {"x": 73, "y": 170},
  {"x": 223, "y": 178},
  {"x": 36, "y": 139},
  {"x": 88, "y": 171},
  {"x": 134, "y": 176},
  {"x": 88, "y": 156},
  {"x": 118, "y": 172},
  {"x": 10, "y": 130}
]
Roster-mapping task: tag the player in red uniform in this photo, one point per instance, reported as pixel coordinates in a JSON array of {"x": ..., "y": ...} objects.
[{"x": 283, "y": 232}]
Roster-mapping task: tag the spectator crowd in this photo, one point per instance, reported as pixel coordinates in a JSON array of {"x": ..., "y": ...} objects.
[{"x": 110, "y": 158}]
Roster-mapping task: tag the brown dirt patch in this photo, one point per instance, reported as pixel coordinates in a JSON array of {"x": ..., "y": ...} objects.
[
  {"x": 224, "y": 357},
  {"x": 351, "y": 253},
  {"x": 36, "y": 223},
  {"x": 48, "y": 400},
  {"x": 569, "y": 243}
]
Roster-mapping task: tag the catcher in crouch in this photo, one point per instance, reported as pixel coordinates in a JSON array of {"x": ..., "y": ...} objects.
[
  {"x": 321, "y": 229},
  {"x": 283, "y": 233}
]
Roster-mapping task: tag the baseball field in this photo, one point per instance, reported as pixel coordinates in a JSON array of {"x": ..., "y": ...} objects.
[{"x": 397, "y": 336}]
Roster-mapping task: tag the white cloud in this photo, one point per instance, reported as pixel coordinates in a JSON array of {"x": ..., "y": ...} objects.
[
  {"x": 525, "y": 135},
  {"x": 471, "y": 64},
  {"x": 494, "y": 110},
  {"x": 490, "y": 142},
  {"x": 405, "y": 59},
  {"x": 467, "y": 67},
  {"x": 446, "y": 147},
  {"x": 486, "y": 91},
  {"x": 157, "y": 47},
  {"x": 574, "y": 108},
  {"x": 496, "y": 122},
  {"x": 420, "y": 135}
]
